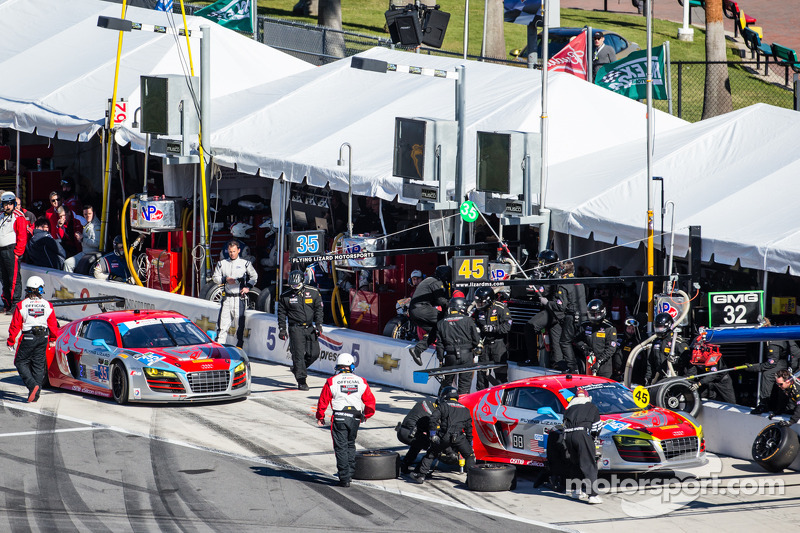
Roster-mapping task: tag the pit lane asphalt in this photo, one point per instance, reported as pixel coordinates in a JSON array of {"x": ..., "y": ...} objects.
[{"x": 80, "y": 463}]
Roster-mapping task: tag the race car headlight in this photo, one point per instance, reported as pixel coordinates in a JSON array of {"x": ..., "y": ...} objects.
[
  {"x": 239, "y": 368},
  {"x": 156, "y": 373},
  {"x": 630, "y": 441}
]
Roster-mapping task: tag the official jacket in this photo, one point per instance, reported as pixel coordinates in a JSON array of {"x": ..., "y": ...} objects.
[
  {"x": 493, "y": 321},
  {"x": 456, "y": 334},
  {"x": 239, "y": 269},
  {"x": 14, "y": 231},
  {"x": 303, "y": 307},
  {"x": 430, "y": 291},
  {"x": 32, "y": 313},
  {"x": 450, "y": 420},
  {"x": 346, "y": 391}
]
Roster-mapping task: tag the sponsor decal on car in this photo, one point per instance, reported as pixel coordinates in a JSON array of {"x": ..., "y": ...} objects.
[
  {"x": 149, "y": 358},
  {"x": 137, "y": 393}
]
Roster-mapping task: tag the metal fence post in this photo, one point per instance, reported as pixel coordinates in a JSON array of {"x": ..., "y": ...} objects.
[
  {"x": 797, "y": 92},
  {"x": 680, "y": 88}
]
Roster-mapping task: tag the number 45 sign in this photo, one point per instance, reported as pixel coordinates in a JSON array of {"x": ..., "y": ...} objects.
[
  {"x": 470, "y": 268},
  {"x": 735, "y": 309}
]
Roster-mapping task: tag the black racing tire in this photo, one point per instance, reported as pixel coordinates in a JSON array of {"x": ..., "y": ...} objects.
[
  {"x": 775, "y": 447},
  {"x": 400, "y": 328},
  {"x": 677, "y": 395},
  {"x": 377, "y": 464},
  {"x": 491, "y": 477},
  {"x": 119, "y": 383},
  {"x": 391, "y": 326},
  {"x": 212, "y": 292},
  {"x": 266, "y": 300},
  {"x": 253, "y": 296}
]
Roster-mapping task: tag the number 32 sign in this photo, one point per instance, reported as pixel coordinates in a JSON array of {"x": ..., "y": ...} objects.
[{"x": 735, "y": 309}]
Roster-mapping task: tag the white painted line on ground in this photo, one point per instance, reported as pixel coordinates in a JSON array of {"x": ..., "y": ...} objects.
[
  {"x": 281, "y": 466},
  {"x": 26, "y": 433}
]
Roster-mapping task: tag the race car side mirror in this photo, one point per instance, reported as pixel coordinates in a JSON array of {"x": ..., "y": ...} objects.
[
  {"x": 547, "y": 411},
  {"x": 212, "y": 334},
  {"x": 101, "y": 342}
]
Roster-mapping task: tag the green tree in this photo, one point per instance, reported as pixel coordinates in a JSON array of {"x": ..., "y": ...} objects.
[{"x": 717, "y": 94}]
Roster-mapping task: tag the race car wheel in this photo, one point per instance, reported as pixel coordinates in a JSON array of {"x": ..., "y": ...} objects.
[
  {"x": 266, "y": 300},
  {"x": 775, "y": 447},
  {"x": 678, "y": 395},
  {"x": 213, "y": 292},
  {"x": 400, "y": 328},
  {"x": 119, "y": 383},
  {"x": 377, "y": 464},
  {"x": 492, "y": 477}
]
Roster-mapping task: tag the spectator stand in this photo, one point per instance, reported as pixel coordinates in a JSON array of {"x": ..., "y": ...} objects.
[{"x": 787, "y": 58}]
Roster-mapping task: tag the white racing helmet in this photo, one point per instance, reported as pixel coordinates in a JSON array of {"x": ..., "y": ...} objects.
[
  {"x": 35, "y": 284},
  {"x": 346, "y": 361},
  {"x": 239, "y": 230}
]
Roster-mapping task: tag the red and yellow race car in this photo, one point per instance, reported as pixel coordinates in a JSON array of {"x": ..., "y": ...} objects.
[
  {"x": 146, "y": 356},
  {"x": 512, "y": 421}
]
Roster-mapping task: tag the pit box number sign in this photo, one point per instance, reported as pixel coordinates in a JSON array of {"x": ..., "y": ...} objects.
[
  {"x": 470, "y": 268},
  {"x": 304, "y": 243},
  {"x": 735, "y": 309}
]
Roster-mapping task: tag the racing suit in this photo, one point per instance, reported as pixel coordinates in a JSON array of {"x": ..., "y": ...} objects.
[
  {"x": 599, "y": 340},
  {"x": 413, "y": 430},
  {"x": 112, "y": 267},
  {"x": 429, "y": 294},
  {"x": 450, "y": 426},
  {"x": 494, "y": 323},
  {"x": 626, "y": 345},
  {"x": 582, "y": 423},
  {"x": 35, "y": 320},
  {"x": 458, "y": 339},
  {"x": 791, "y": 405},
  {"x": 662, "y": 351},
  {"x": 570, "y": 304},
  {"x": 352, "y": 402},
  {"x": 13, "y": 239},
  {"x": 303, "y": 310},
  {"x": 780, "y": 355},
  {"x": 716, "y": 386},
  {"x": 548, "y": 319},
  {"x": 234, "y": 301}
]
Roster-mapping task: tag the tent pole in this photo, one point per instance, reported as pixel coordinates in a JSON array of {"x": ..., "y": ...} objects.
[
  {"x": 650, "y": 258},
  {"x": 16, "y": 172}
]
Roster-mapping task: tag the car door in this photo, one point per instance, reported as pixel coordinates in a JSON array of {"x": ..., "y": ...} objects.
[
  {"x": 536, "y": 411},
  {"x": 94, "y": 359}
]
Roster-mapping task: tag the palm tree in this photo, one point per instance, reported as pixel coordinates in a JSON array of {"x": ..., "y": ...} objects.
[{"x": 717, "y": 94}]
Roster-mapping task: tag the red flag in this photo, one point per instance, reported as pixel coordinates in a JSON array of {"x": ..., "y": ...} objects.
[{"x": 571, "y": 58}]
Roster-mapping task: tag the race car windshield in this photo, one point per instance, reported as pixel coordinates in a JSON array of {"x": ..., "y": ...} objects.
[
  {"x": 610, "y": 398},
  {"x": 163, "y": 335}
]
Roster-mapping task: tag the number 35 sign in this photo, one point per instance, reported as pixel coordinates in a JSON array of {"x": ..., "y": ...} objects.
[
  {"x": 306, "y": 243},
  {"x": 735, "y": 309}
]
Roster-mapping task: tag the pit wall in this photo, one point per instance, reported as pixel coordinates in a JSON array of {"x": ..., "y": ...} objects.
[{"x": 729, "y": 429}]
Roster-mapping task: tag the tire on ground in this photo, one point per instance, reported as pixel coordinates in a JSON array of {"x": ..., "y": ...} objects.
[
  {"x": 266, "y": 300},
  {"x": 775, "y": 447},
  {"x": 491, "y": 477},
  {"x": 212, "y": 292},
  {"x": 391, "y": 326},
  {"x": 377, "y": 464},
  {"x": 677, "y": 395}
]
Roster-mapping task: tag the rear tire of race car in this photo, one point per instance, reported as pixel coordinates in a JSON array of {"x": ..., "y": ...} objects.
[
  {"x": 377, "y": 464},
  {"x": 119, "y": 383},
  {"x": 677, "y": 395},
  {"x": 266, "y": 300},
  {"x": 775, "y": 447},
  {"x": 492, "y": 477}
]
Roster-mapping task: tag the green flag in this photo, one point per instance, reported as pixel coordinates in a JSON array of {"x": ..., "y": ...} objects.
[
  {"x": 628, "y": 76},
  {"x": 233, "y": 14}
]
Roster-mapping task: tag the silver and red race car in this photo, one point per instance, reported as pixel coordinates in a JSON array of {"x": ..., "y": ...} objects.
[
  {"x": 511, "y": 424},
  {"x": 146, "y": 356}
]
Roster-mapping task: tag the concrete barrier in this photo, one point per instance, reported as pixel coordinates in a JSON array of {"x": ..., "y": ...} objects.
[{"x": 729, "y": 429}]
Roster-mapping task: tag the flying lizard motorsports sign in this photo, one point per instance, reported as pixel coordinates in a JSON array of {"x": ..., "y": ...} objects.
[{"x": 735, "y": 309}]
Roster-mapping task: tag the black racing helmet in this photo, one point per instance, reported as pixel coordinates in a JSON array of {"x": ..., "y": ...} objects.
[
  {"x": 548, "y": 262},
  {"x": 484, "y": 297},
  {"x": 662, "y": 324},
  {"x": 119, "y": 248},
  {"x": 448, "y": 393},
  {"x": 458, "y": 305},
  {"x": 295, "y": 279},
  {"x": 596, "y": 310},
  {"x": 443, "y": 273}
]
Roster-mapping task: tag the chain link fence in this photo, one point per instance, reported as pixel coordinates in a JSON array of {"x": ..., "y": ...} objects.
[{"x": 746, "y": 83}]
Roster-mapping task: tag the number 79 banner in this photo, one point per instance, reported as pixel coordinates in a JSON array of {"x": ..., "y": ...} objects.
[{"x": 735, "y": 309}]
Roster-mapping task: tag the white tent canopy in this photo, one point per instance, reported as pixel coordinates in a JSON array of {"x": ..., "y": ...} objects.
[
  {"x": 58, "y": 65},
  {"x": 297, "y": 124},
  {"x": 735, "y": 176}
]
